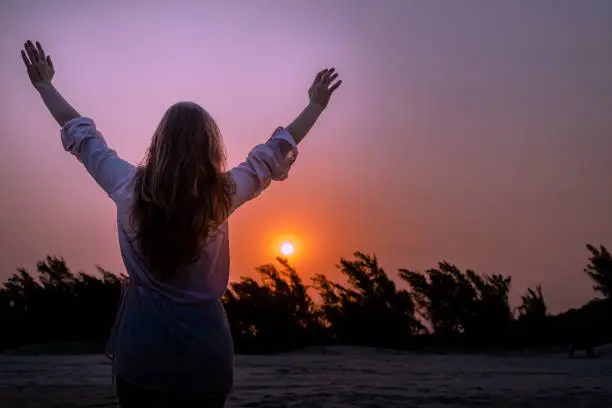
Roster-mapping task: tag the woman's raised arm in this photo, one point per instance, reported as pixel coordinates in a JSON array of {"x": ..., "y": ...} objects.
[
  {"x": 273, "y": 159},
  {"x": 79, "y": 135},
  {"x": 41, "y": 71}
]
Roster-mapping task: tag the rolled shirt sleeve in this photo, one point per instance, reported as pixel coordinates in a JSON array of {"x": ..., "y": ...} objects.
[
  {"x": 265, "y": 162},
  {"x": 81, "y": 138}
]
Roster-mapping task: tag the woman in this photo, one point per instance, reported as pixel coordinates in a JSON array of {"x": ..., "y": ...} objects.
[{"x": 171, "y": 344}]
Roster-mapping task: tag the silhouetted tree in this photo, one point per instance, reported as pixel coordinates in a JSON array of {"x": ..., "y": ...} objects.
[
  {"x": 599, "y": 270},
  {"x": 274, "y": 315},
  {"x": 584, "y": 328},
  {"x": 58, "y": 306},
  {"x": 533, "y": 307},
  {"x": 371, "y": 310},
  {"x": 461, "y": 305},
  {"x": 533, "y": 326},
  {"x": 591, "y": 325}
]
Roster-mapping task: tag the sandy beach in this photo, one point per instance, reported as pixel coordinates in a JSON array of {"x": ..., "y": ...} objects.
[{"x": 340, "y": 377}]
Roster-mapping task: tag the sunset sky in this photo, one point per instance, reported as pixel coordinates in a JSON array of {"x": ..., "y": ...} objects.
[{"x": 478, "y": 132}]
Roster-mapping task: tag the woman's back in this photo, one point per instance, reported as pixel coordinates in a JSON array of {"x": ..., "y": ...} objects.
[
  {"x": 173, "y": 332},
  {"x": 203, "y": 280}
]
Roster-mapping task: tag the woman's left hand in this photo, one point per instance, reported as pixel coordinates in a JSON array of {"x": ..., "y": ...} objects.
[{"x": 39, "y": 66}]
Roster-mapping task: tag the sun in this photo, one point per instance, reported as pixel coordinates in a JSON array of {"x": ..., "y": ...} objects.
[{"x": 287, "y": 248}]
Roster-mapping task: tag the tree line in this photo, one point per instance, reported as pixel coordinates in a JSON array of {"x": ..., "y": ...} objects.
[{"x": 443, "y": 307}]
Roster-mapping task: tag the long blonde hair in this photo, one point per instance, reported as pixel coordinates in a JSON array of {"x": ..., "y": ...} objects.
[{"x": 182, "y": 193}]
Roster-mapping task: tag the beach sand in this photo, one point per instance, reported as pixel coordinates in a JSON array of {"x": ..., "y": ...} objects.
[{"x": 339, "y": 377}]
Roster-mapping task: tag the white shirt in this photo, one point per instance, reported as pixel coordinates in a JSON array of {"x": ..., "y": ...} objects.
[{"x": 175, "y": 333}]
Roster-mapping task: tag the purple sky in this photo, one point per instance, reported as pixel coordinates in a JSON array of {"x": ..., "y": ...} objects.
[{"x": 479, "y": 132}]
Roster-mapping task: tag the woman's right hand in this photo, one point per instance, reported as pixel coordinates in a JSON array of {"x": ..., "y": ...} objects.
[
  {"x": 39, "y": 66},
  {"x": 323, "y": 87}
]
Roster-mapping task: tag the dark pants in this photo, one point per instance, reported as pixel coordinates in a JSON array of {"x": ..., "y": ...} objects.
[{"x": 130, "y": 396}]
